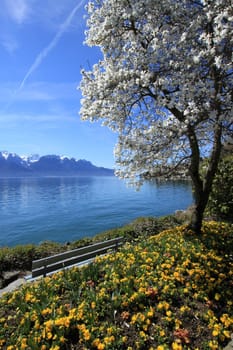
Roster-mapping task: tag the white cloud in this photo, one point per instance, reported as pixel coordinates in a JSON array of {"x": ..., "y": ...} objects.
[{"x": 18, "y": 10}]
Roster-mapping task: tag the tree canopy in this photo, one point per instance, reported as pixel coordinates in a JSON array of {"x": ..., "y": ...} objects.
[{"x": 164, "y": 84}]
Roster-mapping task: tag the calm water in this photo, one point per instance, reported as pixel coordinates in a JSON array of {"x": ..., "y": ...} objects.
[{"x": 64, "y": 209}]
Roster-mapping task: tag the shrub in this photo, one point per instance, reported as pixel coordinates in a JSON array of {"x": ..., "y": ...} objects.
[{"x": 220, "y": 205}]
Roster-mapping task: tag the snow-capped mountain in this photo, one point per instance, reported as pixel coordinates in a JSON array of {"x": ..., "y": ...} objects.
[
  {"x": 32, "y": 158},
  {"x": 13, "y": 165}
]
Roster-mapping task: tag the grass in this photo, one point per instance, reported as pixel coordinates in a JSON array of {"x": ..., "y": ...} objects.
[{"x": 168, "y": 291}]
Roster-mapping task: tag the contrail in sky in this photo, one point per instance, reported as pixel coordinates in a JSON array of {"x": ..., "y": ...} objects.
[{"x": 43, "y": 54}]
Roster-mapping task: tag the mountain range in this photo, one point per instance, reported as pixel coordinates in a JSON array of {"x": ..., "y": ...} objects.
[{"x": 13, "y": 165}]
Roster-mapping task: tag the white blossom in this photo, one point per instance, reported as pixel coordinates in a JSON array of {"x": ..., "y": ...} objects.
[{"x": 166, "y": 74}]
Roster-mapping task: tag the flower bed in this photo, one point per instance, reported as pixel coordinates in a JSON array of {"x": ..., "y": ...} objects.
[{"x": 170, "y": 291}]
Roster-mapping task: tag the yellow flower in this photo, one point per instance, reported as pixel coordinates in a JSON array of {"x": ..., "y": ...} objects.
[
  {"x": 124, "y": 339},
  {"x": 62, "y": 339},
  {"x": 210, "y": 313},
  {"x": 29, "y": 297},
  {"x": 86, "y": 334},
  {"x": 109, "y": 340},
  {"x": 163, "y": 305},
  {"x": 226, "y": 320},
  {"x": 23, "y": 346},
  {"x": 213, "y": 344},
  {"x": 37, "y": 339},
  {"x": 46, "y": 311},
  {"x": 216, "y": 330},
  {"x": 37, "y": 325},
  {"x": 166, "y": 288},
  {"x": 49, "y": 335},
  {"x": 96, "y": 342},
  {"x": 150, "y": 313},
  {"x": 160, "y": 347},
  {"x": 109, "y": 330},
  {"x": 227, "y": 334},
  {"x": 49, "y": 325},
  {"x": 176, "y": 346},
  {"x": 162, "y": 334},
  {"x": 63, "y": 321},
  {"x": 178, "y": 323},
  {"x": 184, "y": 308},
  {"x": 142, "y": 334},
  {"x": 85, "y": 331}
]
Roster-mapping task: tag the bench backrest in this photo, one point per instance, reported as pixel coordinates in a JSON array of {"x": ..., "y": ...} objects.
[{"x": 72, "y": 257}]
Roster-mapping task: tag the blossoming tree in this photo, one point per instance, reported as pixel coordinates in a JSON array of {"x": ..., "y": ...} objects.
[{"x": 164, "y": 84}]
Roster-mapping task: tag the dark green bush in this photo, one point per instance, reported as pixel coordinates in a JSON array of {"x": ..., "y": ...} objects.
[
  {"x": 17, "y": 258},
  {"x": 220, "y": 205}
]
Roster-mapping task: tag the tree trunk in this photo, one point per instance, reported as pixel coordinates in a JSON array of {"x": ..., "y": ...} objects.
[
  {"x": 202, "y": 187},
  {"x": 196, "y": 221},
  {"x": 198, "y": 214},
  {"x": 200, "y": 204}
]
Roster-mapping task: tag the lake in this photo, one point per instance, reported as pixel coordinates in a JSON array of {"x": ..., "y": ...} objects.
[{"x": 63, "y": 209}]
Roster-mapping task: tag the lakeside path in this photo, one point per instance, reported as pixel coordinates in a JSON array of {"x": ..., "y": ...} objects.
[{"x": 13, "y": 286}]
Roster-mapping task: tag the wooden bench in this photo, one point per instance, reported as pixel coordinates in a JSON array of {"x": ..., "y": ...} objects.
[{"x": 69, "y": 258}]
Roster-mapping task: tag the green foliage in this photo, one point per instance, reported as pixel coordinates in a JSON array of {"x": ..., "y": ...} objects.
[
  {"x": 142, "y": 226},
  {"x": 220, "y": 205},
  {"x": 20, "y": 257}
]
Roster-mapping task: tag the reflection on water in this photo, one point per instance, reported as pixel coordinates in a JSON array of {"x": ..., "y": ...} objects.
[{"x": 62, "y": 208}]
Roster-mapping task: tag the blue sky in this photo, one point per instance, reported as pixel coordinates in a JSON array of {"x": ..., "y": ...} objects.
[{"x": 41, "y": 55}]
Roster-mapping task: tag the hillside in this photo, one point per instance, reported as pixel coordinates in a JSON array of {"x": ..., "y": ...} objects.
[{"x": 169, "y": 291}]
